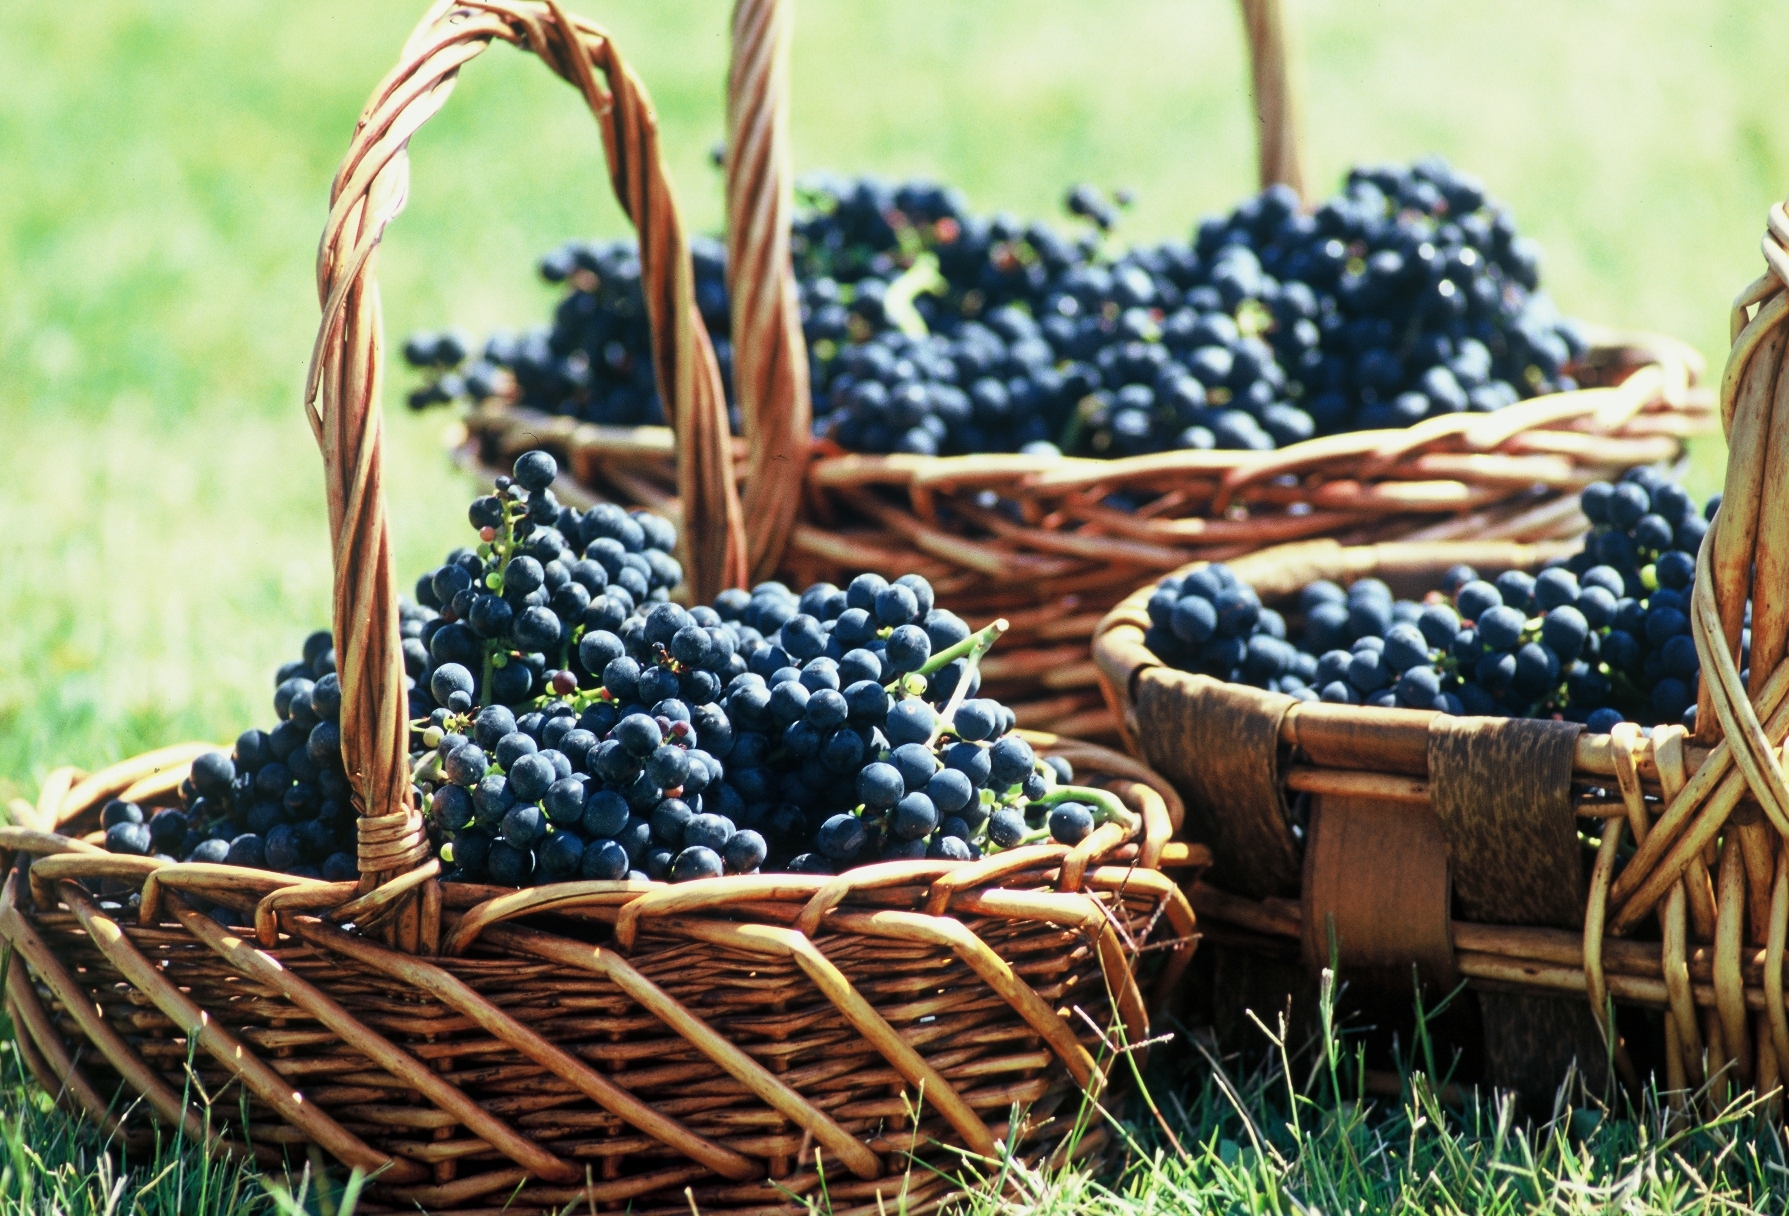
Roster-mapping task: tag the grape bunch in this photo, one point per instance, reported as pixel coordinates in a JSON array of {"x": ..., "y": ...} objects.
[
  {"x": 279, "y": 801},
  {"x": 595, "y": 361},
  {"x": 1408, "y": 296},
  {"x": 1600, "y": 638},
  {"x": 768, "y": 730},
  {"x": 935, "y": 331},
  {"x": 492, "y": 623},
  {"x": 570, "y": 722},
  {"x": 506, "y": 614}
]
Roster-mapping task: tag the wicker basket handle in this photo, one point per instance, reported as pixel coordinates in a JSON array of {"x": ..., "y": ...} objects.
[
  {"x": 1746, "y": 555},
  {"x": 770, "y": 358},
  {"x": 342, "y": 388},
  {"x": 770, "y": 353},
  {"x": 1278, "y": 147}
]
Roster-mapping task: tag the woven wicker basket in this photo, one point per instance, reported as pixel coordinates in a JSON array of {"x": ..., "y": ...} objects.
[
  {"x": 735, "y": 1044},
  {"x": 1529, "y": 858},
  {"x": 1055, "y": 562},
  {"x": 751, "y": 1038}
]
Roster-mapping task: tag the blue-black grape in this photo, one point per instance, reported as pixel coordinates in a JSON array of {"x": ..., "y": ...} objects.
[
  {"x": 1599, "y": 638},
  {"x": 768, "y": 730},
  {"x": 932, "y": 330}
]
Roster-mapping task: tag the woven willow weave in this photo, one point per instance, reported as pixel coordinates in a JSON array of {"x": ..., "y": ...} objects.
[
  {"x": 1706, "y": 887},
  {"x": 738, "y": 1043}
]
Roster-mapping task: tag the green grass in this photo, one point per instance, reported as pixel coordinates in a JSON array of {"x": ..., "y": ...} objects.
[
  {"x": 1288, "y": 1134},
  {"x": 163, "y": 178}
]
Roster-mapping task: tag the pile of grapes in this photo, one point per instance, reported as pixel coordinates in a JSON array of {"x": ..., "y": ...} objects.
[
  {"x": 278, "y": 802},
  {"x": 595, "y": 360},
  {"x": 935, "y": 331},
  {"x": 1600, "y": 638},
  {"x": 570, "y": 722}
]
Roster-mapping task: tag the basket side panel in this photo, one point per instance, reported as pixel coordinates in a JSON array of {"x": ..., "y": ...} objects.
[
  {"x": 1376, "y": 887},
  {"x": 1502, "y": 791},
  {"x": 1219, "y": 744}
]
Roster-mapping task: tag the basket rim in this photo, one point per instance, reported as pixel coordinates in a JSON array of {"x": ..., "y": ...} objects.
[
  {"x": 68, "y": 794},
  {"x": 1124, "y": 658},
  {"x": 1067, "y": 472}
]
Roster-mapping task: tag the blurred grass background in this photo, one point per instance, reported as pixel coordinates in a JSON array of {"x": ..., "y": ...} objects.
[{"x": 164, "y": 172}]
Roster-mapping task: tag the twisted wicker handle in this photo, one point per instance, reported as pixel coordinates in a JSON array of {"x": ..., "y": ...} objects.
[
  {"x": 342, "y": 389},
  {"x": 770, "y": 359},
  {"x": 1279, "y": 150},
  {"x": 1746, "y": 555},
  {"x": 770, "y": 354}
]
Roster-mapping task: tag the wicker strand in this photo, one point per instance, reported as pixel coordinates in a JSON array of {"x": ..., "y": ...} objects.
[
  {"x": 1000, "y": 976},
  {"x": 455, "y": 993},
  {"x": 117, "y": 778},
  {"x": 264, "y": 969},
  {"x": 226, "y": 1048},
  {"x": 50, "y": 796},
  {"x": 913, "y": 1067},
  {"x": 46, "y": 1044},
  {"x": 1596, "y": 985},
  {"x": 1684, "y": 1050},
  {"x": 736, "y": 1063},
  {"x": 342, "y": 387},
  {"x": 1693, "y": 817},
  {"x": 713, "y": 535},
  {"x": 111, "y": 1045},
  {"x": 1674, "y": 957},
  {"x": 1729, "y": 986},
  {"x": 1752, "y": 750},
  {"x": 770, "y": 357},
  {"x": 39, "y": 1068},
  {"x": 44, "y": 844},
  {"x": 1169, "y": 898},
  {"x": 1279, "y": 149},
  {"x": 1081, "y": 913}
]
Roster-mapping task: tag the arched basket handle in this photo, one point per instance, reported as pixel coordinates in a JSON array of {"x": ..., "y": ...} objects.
[
  {"x": 1746, "y": 552},
  {"x": 770, "y": 358},
  {"x": 770, "y": 353},
  {"x": 1279, "y": 147},
  {"x": 343, "y": 386}
]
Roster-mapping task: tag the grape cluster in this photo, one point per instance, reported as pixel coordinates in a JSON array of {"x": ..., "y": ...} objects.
[
  {"x": 280, "y": 801},
  {"x": 1408, "y": 296},
  {"x": 507, "y": 613},
  {"x": 569, "y": 721},
  {"x": 936, "y": 331},
  {"x": 494, "y": 623},
  {"x": 1599, "y": 638},
  {"x": 768, "y": 730},
  {"x": 595, "y": 360}
]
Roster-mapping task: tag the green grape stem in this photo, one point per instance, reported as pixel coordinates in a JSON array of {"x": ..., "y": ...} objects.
[
  {"x": 427, "y": 766},
  {"x": 580, "y": 700},
  {"x": 502, "y": 545},
  {"x": 922, "y": 276},
  {"x": 1106, "y": 806},
  {"x": 978, "y": 644}
]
